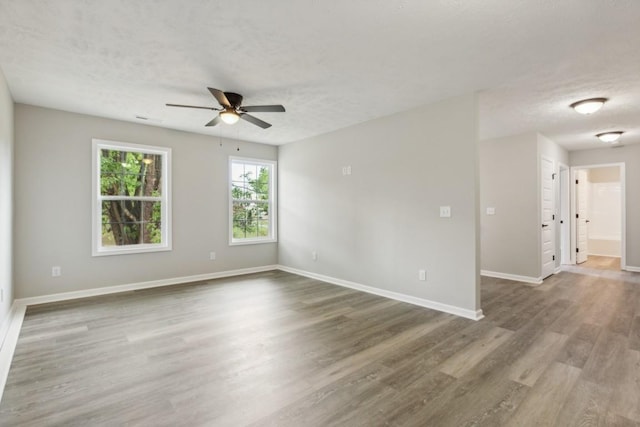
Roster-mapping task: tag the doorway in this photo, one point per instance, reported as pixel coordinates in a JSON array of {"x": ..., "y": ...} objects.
[{"x": 598, "y": 216}]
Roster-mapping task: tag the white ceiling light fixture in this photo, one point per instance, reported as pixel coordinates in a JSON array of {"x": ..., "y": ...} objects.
[
  {"x": 589, "y": 106},
  {"x": 609, "y": 137},
  {"x": 229, "y": 117}
]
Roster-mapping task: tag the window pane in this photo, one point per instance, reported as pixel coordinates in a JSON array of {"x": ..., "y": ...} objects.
[
  {"x": 245, "y": 217},
  {"x": 131, "y": 222},
  {"x": 240, "y": 191},
  {"x": 262, "y": 183},
  {"x": 126, "y": 173}
]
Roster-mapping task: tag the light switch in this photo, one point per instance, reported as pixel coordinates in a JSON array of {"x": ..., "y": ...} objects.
[
  {"x": 491, "y": 211},
  {"x": 445, "y": 211}
]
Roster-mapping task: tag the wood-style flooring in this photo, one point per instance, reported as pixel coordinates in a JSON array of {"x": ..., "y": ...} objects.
[
  {"x": 602, "y": 262},
  {"x": 276, "y": 349}
]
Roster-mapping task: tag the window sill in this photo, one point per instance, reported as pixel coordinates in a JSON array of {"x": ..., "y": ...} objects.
[
  {"x": 133, "y": 250},
  {"x": 251, "y": 242}
]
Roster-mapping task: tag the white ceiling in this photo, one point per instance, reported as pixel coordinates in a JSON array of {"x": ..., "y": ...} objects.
[{"x": 330, "y": 63}]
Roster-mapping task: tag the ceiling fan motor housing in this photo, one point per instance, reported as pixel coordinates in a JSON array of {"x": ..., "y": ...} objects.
[{"x": 235, "y": 99}]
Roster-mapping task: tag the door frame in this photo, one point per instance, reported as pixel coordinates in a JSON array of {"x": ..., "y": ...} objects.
[
  {"x": 554, "y": 213},
  {"x": 623, "y": 210},
  {"x": 564, "y": 213}
]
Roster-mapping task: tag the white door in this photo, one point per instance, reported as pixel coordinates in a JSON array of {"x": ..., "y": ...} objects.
[
  {"x": 582, "y": 208},
  {"x": 548, "y": 216}
]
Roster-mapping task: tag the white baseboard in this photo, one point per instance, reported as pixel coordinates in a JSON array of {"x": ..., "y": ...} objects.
[
  {"x": 9, "y": 341},
  {"x": 607, "y": 255},
  {"x": 446, "y": 308},
  {"x": 65, "y": 296},
  {"x": 632, "y": 269},
  {"x": 557, "y": 270},
  {"x": 515, "y": 277}
]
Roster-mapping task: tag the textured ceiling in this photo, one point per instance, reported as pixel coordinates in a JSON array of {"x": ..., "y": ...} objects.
[{"x": 331, "y": 63}]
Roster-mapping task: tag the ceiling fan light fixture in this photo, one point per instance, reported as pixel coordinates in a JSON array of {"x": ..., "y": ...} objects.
[
  {"x": 229, "y": 117},
  {"x": 609, "y": 137},
  {"x": 589, "y": 106}
]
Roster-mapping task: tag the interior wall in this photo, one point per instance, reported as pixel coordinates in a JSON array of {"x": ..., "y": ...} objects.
[
  {"x": 53, "y": 224},
  {"x": 630, "y": 156},
  {"x": 6, "y": 202},
  {"x": 605, "y": 211},
  {"x": 380, "y": 225},
  {"x": 508, "y": 186}
]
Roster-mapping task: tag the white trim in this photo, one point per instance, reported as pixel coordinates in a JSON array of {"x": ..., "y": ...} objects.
[
  {"x": 623, "y": 208},
  {"x": 96, "y": 199},
  {"x": 9, "y": 341},
  {"x": 632, "y": 269},
  {"x": 64, "y": 296},
  {"x": 515, "y": 277},
  {"x": 605, "y": 238},
  {"x": 564, "y": 213},
  {"x": 557, "y": 270},
  {"x": 605, "y": 255},
  {"x": 273, "y": 201},
  {"x": 554, "y": 213},
  {"x": 446, "y": 308}
]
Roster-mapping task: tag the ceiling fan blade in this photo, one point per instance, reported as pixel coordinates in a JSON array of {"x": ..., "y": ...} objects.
[
  {"x": 214, "y": 122},
  {"x": 256, "y": 121},
  {"x": 220, "y": 96},
  {"x": 263, "y": 109},
  {"x": 192, "y": 106}
]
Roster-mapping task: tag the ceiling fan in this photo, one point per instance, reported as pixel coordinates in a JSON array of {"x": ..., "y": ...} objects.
[{"x": 232, "y": 109}]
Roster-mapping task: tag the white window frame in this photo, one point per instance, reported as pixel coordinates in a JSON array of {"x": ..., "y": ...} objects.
[
  {"x": 273, "y": 203},
  {"x": 97, "y": 199}
]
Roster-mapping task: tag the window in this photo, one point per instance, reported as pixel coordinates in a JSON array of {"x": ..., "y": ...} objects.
[
  {"x": 131, "y": 198},
  {"x": 252, "y": 201}
]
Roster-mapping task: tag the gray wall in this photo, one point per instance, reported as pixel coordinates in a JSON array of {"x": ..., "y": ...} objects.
[
  {"x": 510, "y": 183},
  {"x": 630, "y": 155},
  {"x": 53, "y": 221},
  {"x": 380, "y": 225},
  {"x": 6, "y": 200}
]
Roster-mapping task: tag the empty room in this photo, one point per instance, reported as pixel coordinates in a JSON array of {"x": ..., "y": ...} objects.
[{"x": 305, "y": 213}]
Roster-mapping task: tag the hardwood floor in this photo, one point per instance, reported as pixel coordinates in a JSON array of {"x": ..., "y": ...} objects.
[
  {"x": 275, "y": 349},
  {"x": 602, "y": 263}
]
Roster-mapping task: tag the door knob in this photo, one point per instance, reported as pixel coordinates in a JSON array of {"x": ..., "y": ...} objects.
[{"x": 545, "y": 225}]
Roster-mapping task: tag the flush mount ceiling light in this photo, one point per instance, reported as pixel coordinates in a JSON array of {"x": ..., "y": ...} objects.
[
  {"x": 588, "y": 106},
  {"x": 609, "y": 137},
  {"x": 229, "y": 117}
]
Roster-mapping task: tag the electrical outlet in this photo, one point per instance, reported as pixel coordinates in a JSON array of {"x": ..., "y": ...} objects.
[
  {"x": 212, "y": 256},
  {"x": 314, "y": 255},
  {"x": 422, "y": 275},
  {"x": 56, "y": 271}
]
